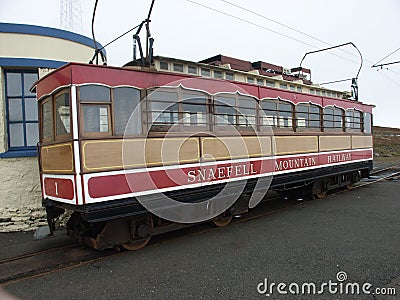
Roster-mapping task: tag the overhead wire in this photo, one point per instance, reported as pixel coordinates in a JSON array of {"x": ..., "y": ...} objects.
[
  {"x": 266, "y": 28},
  {"x": 386, "y": 56}
]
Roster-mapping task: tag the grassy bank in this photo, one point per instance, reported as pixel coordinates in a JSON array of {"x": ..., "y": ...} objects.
[{"x": 386, "y": 142}]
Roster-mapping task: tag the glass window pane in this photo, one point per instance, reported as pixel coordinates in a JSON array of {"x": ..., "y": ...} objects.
[
  {"x": 194, "y": 98},
  {"x": 16, "y": 135},
  {"x": 302, "y": 108},
  {"x": 15, "y": 110},
  {"x": 270, "y": 83},
  {"x": 164, "y": 65},
  {"x": 270, "y": 105},
  {"x": 205, "y": 72},
  {"x": 285, "y": 107},
  {"x": 192, "y": 69},
  {"x": 29, "y": 80},
  {"x": 229, "y": 101},
  {"x": 14, "y": 84},
  {"x": 126, "y": 104},
  {"x": 32, "y": 134},
  {"x": 178, "y": 67},
  {"x": 314, "y": 109},
  {"x": 168, "y": 115},
  {"x": 163, "y": 96},
  {"x": 31, "y": 109},
  {"x": 217, "y": 74},
  {"x": 94, "y": 93},
  {"x": 95, "y": 118},
  {"x": 367, "y": 123},
  {"x": 63, "y": 112},
  {"x": 47, "y": 119},
  {"x": 229, "y": 76}
]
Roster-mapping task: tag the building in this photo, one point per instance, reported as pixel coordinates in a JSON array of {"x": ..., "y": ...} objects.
[{"x": 27, "y": 52}]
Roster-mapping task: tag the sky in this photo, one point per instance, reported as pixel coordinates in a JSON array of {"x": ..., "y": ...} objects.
[{"x": 278, "y": 32}]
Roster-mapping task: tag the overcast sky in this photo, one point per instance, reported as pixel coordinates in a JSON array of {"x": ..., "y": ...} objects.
[{"x": 183, "y": 29}]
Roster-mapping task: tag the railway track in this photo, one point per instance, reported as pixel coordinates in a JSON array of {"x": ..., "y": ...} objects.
[{"x": 35, "y": 264}]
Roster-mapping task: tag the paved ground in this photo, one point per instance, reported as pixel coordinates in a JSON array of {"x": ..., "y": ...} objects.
[{"x": 355, "y": 232}]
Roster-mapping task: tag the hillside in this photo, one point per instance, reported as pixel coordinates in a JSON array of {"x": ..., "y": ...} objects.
[{"x": 386, "y": 142}]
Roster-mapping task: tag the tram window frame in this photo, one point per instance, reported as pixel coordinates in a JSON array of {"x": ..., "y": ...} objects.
[
  {"x": 367, "y": 126},
  {"x": 269, "y": 119},
  {"x": 333, "y": 118},
  {"x": 229, "y": 76},
  {"x": 192, "y": 69},
  {"x": 48, "y": 138},
  {"x": 133, "y": 103},
  {"x": 354, "y": 123},
  {"x": 177, "y": 67},
  {"x": 105, "y": 102},
  {"x": 241, "y": 112},
  {"x": 190, "y": 99},
  {"x": 179, "y": 102},
  {"x": 153, "y": 97},
  {"x": 218, "y": 74},
  {"x": 57, "y": 118},
  {"x": 282, "y": 118},
  {"x": 311, "y": 116}
]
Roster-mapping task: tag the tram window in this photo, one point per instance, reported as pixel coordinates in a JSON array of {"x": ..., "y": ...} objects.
[
  {"x": 269, "y": 113},
  {"x": 192, "y": 70},
  {"x": 225, "y": 110},
  {"x": 47, "y": 119},
  {"x": 315, "y": 117},
  {"x": 250, "y": 80},
  {"x": 367, "y": 123},
  {"x": 194, "y": 108},
  {"x": 229, "y": 76},
  {"x": 270, "y": 83},
  {"x": 353, "y": 120},
  {"x": 292, "y": 87},
  {"x": 299, "y": 89},
  {"x": 178, "y": 67},
  {"x": 96, "y": 118},
  {"x": 283, "y": 86},
  {"x": 302, "y": 115},
  {"x": 217, "y": 74},
  {"x": 63, "y": 114},
  {"x": 318, "y": 92},
  {"x": 163, "y": 65},
  {"x": 96, "y": 93},
  {"x": 308, "y": 115},
  {"x": 285, "y": 115},
  {"x": 205, "y": 72},
  {"x": 312, "y": 91},
  {"x": 163, "y": 107},
  {"x": 246, "y": 111},
  {"x": 126, "y": 105},
  {"x": 333, "y": 119},
  {"x": 260, "y": 81}
]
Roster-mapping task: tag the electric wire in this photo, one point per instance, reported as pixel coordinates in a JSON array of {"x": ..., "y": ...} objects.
[
  {"x": 386, "y": 56},
  {"x": 266, "y": 28}
]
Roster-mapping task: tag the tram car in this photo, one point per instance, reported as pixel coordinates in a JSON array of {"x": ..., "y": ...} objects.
[{"x": 139, "y": 150}]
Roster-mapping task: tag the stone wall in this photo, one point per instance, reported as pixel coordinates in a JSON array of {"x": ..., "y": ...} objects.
[{"x": 20, "y": 195}]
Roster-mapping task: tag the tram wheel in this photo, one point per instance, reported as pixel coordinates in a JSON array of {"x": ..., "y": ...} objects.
[
  {"x": 223, "y": 219},
  {"x": 143, "y": 232},
  {"x": 319, "y": 190},
  {"x": 136, "y": 244}
]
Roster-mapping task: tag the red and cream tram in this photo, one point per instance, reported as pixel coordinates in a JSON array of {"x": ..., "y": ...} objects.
[{"x": 190, "y": 132}]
